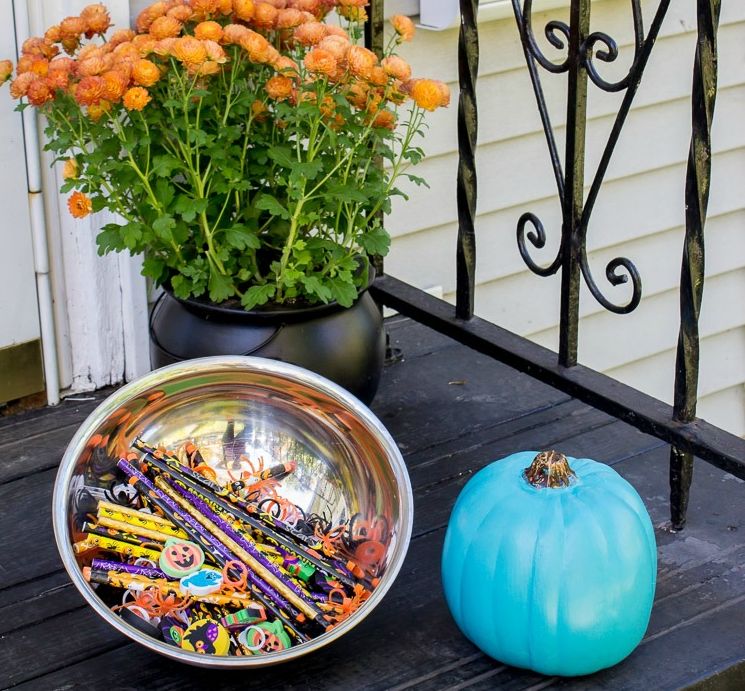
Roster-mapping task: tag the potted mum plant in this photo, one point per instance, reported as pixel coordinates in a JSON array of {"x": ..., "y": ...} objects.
[{"x": 249, "y": 149}]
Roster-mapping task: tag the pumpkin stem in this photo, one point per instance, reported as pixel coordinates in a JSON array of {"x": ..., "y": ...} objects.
[{"x": 549, "y": 469}]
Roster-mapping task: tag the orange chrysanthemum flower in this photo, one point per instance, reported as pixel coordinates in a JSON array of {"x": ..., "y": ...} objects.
[
  {"x": 145, "y": 44},
  {"x": 310, "y": 34},
  {"x": 115, "y": 84},
  {"x": 352, "y": 13},
  {"x": 257, "y": 47},
  {"x": 71, "y": 28},
  {"x": 259, "y": 111},
  {"x": 311, "y": 6},
  {"x": 127, "y": 52},
  {"x": 97, "y": 18},
  {"x": 358, "y": 94},
  {"x": 39, "y": 66},
  {"x": 208, "y": 30},
  {"x": 145, "y": 73},
  {"x": 121, "y": 36},
  {"x": 386, "y": 119},
  {"x": 189, "y": 50},
  {"x": 25, "y": 63},
  {"x": 6, "y": 70},
  {"x": 79, "y": 205},
  {"x": 136, "y": 98},
  {"x": 333, "y": 30},
  {"x": 225, "y": 7},
  {"x": 232, "y": 34},
  {"x": 320, "y": 61},
  {"x": 39, "y": 92},
  {"x": 361, "y": 61},
  {"x": 149, "y": 15},
  {"x": 89, "y": 91},
  {"x": 243, "y": 9},
  {"x": 403, "y": 26},
  {"x": 70, "y": 169},
  {"x": 287, "y": 66},
  {"x": 58, "y": 79},
  {"x": 289, "y": 18},
  {"x": 164, "y": 46},
  {"x": 215, "y": 52},
  {"x": 204, "y": 69},
  {"x": 181, "y": 12},
  {"x": 279, "y": 88},
  {"x": 265, "y": 15},
  {"x": 396, "y": 67},
  {"x": 91, "y": 66},
  {"x": 98, "y": 110},
  {"x": 165, "y": 27},
  {"x": 429, "y": 93},
  {"x": 39, "y": 47},
  {"x": 204, "y": 9},
  {"x": 53, "y": 34},
  {"x": 19, "y": 86},
  {"x": 444, "y": 93},
  {"x": 70, "y": 45},
  {"x": 338, "y": 46}
]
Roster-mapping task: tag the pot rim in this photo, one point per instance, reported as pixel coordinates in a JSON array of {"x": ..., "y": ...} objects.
[
  {"x": 77, "y": 444},
  {"x": 270, "y": 312}
]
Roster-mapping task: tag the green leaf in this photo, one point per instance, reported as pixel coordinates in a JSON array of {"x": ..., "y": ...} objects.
[
  {"x": 181, "y": 286},
  {"x": 282, "y": 155},
  {"x": 164, "y": 165},
  {"x": 346, "y": 193},
  {"x": 258, "y": 295},
  {"x": 220, "y": 286},
  {"x": 153, "y": 267},
  {"x": 189, "y": 207},
  {"x": 241, "y": 238},
  {"x": 344, "y": 292},
  {"x": 163, "y": 225},
  {"x": 272, "y": 205},
  {"x": 375, "y": 241},
  {"x": 314, "y": 286}
]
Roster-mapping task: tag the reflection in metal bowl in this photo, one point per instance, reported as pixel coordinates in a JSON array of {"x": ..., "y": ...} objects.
[{"x": 244, "y": 415}]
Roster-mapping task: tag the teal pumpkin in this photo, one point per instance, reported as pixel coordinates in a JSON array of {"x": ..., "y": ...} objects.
[{"x": 556, "y": 579}]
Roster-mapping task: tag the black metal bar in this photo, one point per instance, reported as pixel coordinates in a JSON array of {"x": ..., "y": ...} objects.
[
  {"x": 374, "y": 41},
  {"x": 698, "y": 182},
  {"x": 468, "y": 65},
  {"x": 720, "y": 448},
  {"x": 574, "y": 187}
]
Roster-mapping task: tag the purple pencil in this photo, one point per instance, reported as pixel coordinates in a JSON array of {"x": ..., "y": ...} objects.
[{"x": 148, "y": 571}]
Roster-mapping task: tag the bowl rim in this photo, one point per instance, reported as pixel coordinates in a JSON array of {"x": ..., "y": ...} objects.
[{"x": 263, "y": 365}]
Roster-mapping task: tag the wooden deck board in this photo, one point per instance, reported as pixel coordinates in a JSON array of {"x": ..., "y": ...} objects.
[{"x": 452, "y": 412}]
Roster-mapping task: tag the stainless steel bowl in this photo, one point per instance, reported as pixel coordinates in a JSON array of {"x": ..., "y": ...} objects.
[{"x": 347, "y": 462}]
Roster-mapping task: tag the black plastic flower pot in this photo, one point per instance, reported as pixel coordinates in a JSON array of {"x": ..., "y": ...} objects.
[{"x": 344, "y": 344}]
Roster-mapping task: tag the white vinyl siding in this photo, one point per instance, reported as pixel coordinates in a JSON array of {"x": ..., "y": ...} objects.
[{"x": 639, "y": 213}]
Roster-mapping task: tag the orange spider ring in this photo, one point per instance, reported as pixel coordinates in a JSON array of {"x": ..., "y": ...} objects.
[{"x": 240, "y": 584}]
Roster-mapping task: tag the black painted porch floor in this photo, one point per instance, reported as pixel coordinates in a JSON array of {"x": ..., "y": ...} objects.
[{"x": 451, "y": 411}]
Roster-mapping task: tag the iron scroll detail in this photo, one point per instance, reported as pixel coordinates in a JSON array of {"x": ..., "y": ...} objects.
[{"x": 583, "y": 50}]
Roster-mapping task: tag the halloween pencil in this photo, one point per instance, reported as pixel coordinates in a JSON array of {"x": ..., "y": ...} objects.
[
  {"x": 113, "y": 545},
  {"x": 109, "y": 565}
]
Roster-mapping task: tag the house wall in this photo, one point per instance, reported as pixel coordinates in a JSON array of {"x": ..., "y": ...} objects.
[{"x": 639, "y": 213}]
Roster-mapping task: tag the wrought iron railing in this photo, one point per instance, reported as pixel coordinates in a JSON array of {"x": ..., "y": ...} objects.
[{"x": 676, "y": 424}]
